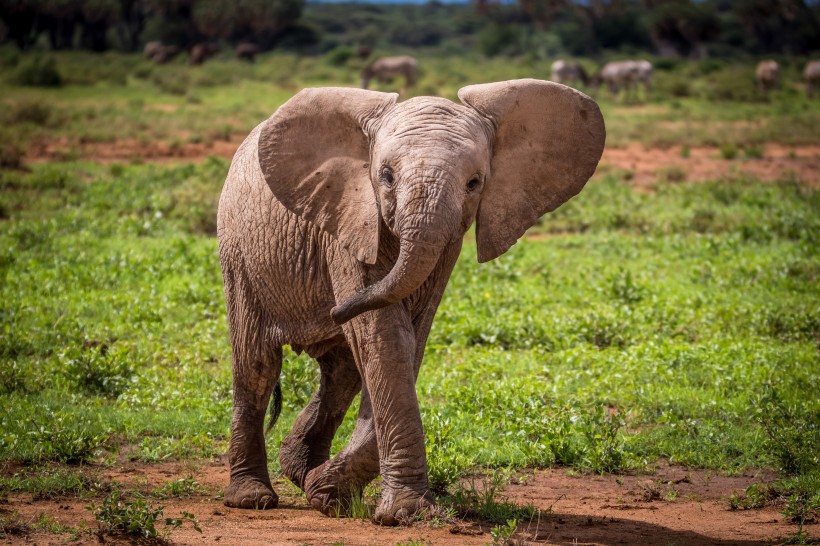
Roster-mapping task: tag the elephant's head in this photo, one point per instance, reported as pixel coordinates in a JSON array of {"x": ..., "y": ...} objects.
[{"x": 350, "y": 160}]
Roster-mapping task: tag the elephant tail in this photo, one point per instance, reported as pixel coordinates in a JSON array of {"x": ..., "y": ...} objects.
[{"x": 275, "y": 406}]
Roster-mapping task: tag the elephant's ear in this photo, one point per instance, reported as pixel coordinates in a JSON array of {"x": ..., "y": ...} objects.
[
  {"x": 548, "y": 140},
  {"x": 314, "y": 152}
]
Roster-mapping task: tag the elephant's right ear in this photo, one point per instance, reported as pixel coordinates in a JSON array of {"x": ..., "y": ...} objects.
[{"x": 314, "y": 152}]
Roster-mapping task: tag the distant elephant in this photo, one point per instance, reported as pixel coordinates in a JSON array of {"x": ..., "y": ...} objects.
[
  {"x": 385, "y": 69},
  {"x": 246, "y": 51},
  {"x": 767, "y": 75},
  {"x": 159, "y": 53},
  {"x": 568, "y": 73},
  {"x": 201, "y": 52},
  {"x": 339, "y": 224},
  {"x": 626, "y": 75},
  {"x": 812, "y": 75}
]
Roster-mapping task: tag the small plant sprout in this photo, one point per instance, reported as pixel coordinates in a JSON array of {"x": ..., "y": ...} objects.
[
  {"x": 503, "y": 534},
  {"x": 138, "y": 517}
]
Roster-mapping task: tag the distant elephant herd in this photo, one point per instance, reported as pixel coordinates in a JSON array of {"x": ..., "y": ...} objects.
[
  {"x": 767, "y": 75},
  {"x": 628, "y": 75},
  {"x": 161, "y": 53}
]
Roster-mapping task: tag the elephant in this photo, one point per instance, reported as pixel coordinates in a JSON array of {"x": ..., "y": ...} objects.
[
  {"x": 767, "y": 74},
  {"x": 384, "y": 69},
  {"x": 625, "y": 75},
  {"x": 568, "y": 72},
  {"x": 246, "y": 51},
  {"x": 159, "y": 53},
  {"x": 201, "y": 52},
  {"x": 812, "y": 76},
  {"x": 340, "y": 221}
]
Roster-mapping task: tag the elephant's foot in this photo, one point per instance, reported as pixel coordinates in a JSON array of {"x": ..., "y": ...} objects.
[
  {"x": 251, "y": 493},
  {"x": 323, "y": 490},
  {"x": 398, "y": 506},
  {"x": 329, "y": 485}
]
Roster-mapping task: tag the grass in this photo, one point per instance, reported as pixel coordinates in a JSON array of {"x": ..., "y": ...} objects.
[
  {"x": 678, "y": 324},
  {"x": 646, "y": 329},
  {"x": 126, "y": 97}
]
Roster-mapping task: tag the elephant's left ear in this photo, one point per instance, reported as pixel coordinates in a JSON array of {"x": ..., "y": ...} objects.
[
  {"x": 548, "y": 141},
  {"x": 314, "y": 152}
]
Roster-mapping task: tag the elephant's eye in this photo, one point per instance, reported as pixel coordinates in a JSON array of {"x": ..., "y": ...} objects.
[
  {"x": 386, "y": 176},
  {"x": 473, "y": 183}
]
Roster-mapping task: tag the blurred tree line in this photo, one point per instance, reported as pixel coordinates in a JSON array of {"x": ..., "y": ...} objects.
[
  {"x": 98, "y": 25},
  {"x": 689, "y": 28}
]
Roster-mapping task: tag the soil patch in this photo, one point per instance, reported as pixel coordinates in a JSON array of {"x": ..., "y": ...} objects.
[
  {"x": 642, "y": 166},
  {"x": 647, "y": 166},
  {"x": 672, "y": 506}
]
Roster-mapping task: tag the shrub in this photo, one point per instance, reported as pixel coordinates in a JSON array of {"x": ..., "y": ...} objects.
[
  {"x": 138, "y": 517},
  {"x": 339, "y": 55},
  {"x": 98, "y": 370},
  {"x": 754, "y": 151},
  {"x": 11, "y": 155},
  {"x": 38, "y": 71},
  {"x": 792, "y": 432},
  {"x": 497, "y": 39},
  {"x": 62, "y": 439},
  {"x": 173, "y": 82},
  {"x": 728, "y": 151},
  {"x": 36, "y": 112}
]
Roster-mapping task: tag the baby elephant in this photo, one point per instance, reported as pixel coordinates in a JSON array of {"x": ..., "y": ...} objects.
[{"x": 340, "y": 222}]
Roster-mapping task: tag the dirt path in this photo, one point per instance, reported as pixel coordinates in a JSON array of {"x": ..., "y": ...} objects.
[
  {"x": 643, "y": 166},
  {"x": 646, "y": 166},
  {"x": 672, "y": 506}
]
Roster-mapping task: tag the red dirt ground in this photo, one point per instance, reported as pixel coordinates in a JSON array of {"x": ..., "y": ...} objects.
[
  {"x": 672, "y": 506},
  {"x": 645, "y": 166}
]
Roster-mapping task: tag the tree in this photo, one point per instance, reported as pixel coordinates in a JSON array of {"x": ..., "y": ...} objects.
[{"x": 683, "y": 25}]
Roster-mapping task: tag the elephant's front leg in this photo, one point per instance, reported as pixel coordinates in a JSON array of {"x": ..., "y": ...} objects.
[{"x": 385, "y": 345}]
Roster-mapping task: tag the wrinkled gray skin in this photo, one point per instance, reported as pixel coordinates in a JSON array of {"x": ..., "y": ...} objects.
[
  {"x": 340, "y": 222},
  {"x": 767, "y": 75},
  {"x": 812, "y": 76},
  {"x": 386, "y": 69}
]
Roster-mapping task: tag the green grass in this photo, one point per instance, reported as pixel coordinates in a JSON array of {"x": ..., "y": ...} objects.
[
  {"x": 681, "y": 324},
  {"x": 124, "y": 97}
]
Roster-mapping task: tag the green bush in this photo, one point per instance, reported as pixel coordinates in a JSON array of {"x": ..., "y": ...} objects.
[
  {"x": 37, "y": 71},
  {"x": 498, "y": 39},
  {"x": 138, "y": 517},
  {"x": 36, "y": 112},
  {"x": 11, "y": 155},
  {"x": 339, "y": 55},
  {"x": 98, "y": 369}
]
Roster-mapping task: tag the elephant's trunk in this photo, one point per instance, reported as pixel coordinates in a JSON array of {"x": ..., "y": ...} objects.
[{"x": 423, "y": 237}]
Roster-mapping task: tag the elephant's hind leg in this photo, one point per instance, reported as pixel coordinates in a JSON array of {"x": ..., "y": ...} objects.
[
  {"x": 308, "y": 444},
  {"x": 257, "y": 363},
  {"x": 351, "y": 469}
]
